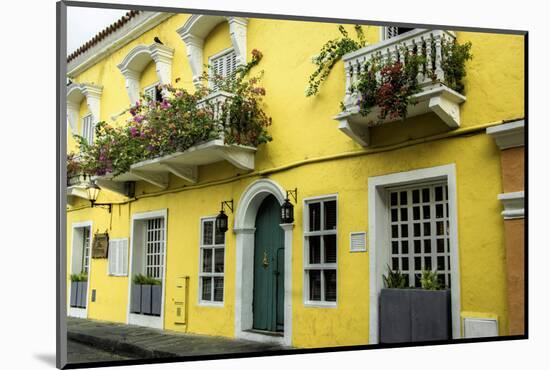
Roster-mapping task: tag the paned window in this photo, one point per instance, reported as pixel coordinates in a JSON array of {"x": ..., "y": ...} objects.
[
  {"x": 154, "y": 248},
  {"x": 321, "y": 224},
  {"x": 419, "y": 232},
  {"x": 88, "y": 128},
  {"x": 212, "y": 262},
  {"x": 85, "y": 249}
]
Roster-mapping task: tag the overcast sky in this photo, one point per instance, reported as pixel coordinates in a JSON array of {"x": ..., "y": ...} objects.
[{"x": 84, "y": 23}]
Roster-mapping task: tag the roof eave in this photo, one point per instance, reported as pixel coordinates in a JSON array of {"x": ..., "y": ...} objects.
[{"x": 135, "y": 27}]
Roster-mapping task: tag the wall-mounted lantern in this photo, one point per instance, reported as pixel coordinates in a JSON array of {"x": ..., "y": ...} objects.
[
  {"x": 221, "y": 219},
  {"x": 287, "y": 209},
  {"x": 93, "y": 192}
]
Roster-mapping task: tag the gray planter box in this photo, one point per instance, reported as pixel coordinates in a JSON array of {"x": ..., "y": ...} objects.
[
  {"x": 414, "y": 315},
  {"x": 146, "y": 299},
  {"x": 135, "y": 303},
  {"x": 156, "y": 299},
  {"x": 81, "y": 295},
  {"x": 74, "y": 293}
]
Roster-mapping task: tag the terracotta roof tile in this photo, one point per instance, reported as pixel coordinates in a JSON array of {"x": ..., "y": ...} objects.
[{"x": 102, "y": 34}]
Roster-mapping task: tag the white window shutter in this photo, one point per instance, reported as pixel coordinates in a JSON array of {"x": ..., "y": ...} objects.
[
  {"x": 124, "y": 258},
  {"x": 118, "y": 257},
  {"x": 112, "y": 256}
]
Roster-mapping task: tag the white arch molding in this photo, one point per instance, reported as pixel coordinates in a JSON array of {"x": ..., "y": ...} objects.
[
  {"x": 75, "y": 94},
  {"x": 196, "y": 29},
  {"x": 244, "y": 228},
  {"x": 138, "y": 58}
]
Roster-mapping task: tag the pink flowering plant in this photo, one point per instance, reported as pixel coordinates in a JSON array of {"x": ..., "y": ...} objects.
[{"x": 179, "y": 121}]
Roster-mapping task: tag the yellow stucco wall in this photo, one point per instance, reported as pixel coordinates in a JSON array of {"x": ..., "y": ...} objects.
[{"x": 303, "y": 129}]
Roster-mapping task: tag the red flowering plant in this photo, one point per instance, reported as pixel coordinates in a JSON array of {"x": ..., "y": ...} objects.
[
  {"x": 389, "y": 85},
  {"x": 179, "y": 121}
]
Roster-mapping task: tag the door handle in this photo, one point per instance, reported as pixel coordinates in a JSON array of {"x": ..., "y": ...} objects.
[{"x": 265, "y": 261}]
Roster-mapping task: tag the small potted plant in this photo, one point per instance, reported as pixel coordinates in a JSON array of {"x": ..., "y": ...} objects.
[
  {"x": 79, "y": 289},
  {"x": 412, "y": 314},
  {"x": 146, "y": 295}
]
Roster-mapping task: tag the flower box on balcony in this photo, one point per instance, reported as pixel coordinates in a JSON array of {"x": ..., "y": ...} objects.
[
  {"x": 182, "y": 164},
  {"x": 434, "y": 96}
]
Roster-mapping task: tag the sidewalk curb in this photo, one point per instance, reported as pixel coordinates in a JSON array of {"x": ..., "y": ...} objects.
[{"x": 119, "y": 347}]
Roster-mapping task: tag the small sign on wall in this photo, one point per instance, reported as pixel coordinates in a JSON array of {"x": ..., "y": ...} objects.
[
  {"x": 358, "y": 241},
  {"x": 101, "y": 245}
]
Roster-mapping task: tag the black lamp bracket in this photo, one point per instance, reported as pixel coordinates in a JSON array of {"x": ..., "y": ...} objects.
[
  {"x": 228, "y": 203},
  {"x": 107, "y": 206},
  {"x": 294, "y": 194}
]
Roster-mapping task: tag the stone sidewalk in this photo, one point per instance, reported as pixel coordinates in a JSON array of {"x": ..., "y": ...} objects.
[{"x": 144, "y": 343}]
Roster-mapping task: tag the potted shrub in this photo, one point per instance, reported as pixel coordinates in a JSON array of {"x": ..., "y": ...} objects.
[
  {"x": 146, "y": 295},
  {"x": 412, "y": 314},
  {"x": 79, "y": 288}
]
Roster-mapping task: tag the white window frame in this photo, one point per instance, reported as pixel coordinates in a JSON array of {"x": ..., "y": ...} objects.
[
  {"x": 320, "y": 266},
  {"x": 76, "y": 311},
  {"x": 88, "y": 133},
  {"x": 384, "y": 32},
  {"x": 121, "y": 257},
  {"x": 216, "y": 56},
  {"x": 151, "y": 90},
  {"x": 202, "y": 274},
  {"x": 135, "y": 228},
  {"x": 378, "y": 216}
]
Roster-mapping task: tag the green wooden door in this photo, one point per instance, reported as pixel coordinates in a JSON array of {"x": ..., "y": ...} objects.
[{"x": 268, "y": 304}]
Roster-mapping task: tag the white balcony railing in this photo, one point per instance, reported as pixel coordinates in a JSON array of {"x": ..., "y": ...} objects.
[{"x": 433, "y": 97}]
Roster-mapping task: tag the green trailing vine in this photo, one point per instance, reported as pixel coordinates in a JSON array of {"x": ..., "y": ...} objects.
[
  {"x": 453, "y": 64},
  {"x": 332, "y": 52}
]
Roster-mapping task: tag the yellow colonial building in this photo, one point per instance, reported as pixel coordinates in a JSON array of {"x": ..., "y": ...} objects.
[{"x": 441, "y": 189}]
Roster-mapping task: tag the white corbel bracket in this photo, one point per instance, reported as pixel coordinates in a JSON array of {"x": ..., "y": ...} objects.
[{"x": 513, "y": 204}]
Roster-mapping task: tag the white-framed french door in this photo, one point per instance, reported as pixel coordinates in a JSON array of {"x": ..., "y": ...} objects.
[{"x": 389, "y": 231}]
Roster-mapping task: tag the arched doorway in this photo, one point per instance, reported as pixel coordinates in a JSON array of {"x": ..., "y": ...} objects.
[
  {"x": 268, "y": 300},
  {"x": 260, "y": 203}
]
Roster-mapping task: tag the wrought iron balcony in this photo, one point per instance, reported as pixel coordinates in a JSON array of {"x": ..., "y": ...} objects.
[{"x": 434, "y": 96}]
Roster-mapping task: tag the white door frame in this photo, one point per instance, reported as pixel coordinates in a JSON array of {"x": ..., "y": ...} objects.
[
  {"x": 245, "y": 220},
  {"x": 75, "y": 311},
  {"x": 379, "y": 235},
  {"x": 137, "y": 319}
]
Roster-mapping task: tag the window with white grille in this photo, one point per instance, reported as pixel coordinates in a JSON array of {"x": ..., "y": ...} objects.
[
  {"x": 153, "y": 92},
  {"x": 224, "y": 65},
  {"x": 212, "y": 256},
  {"x": 154, "y": 248},
  {"x": 419, "y": 232},
  {"x": 88, "y": 128},
  {"x": 320, "y": 255},
  {"x": 85, "y": 249},
  {"x": 118, "y": 257}
]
